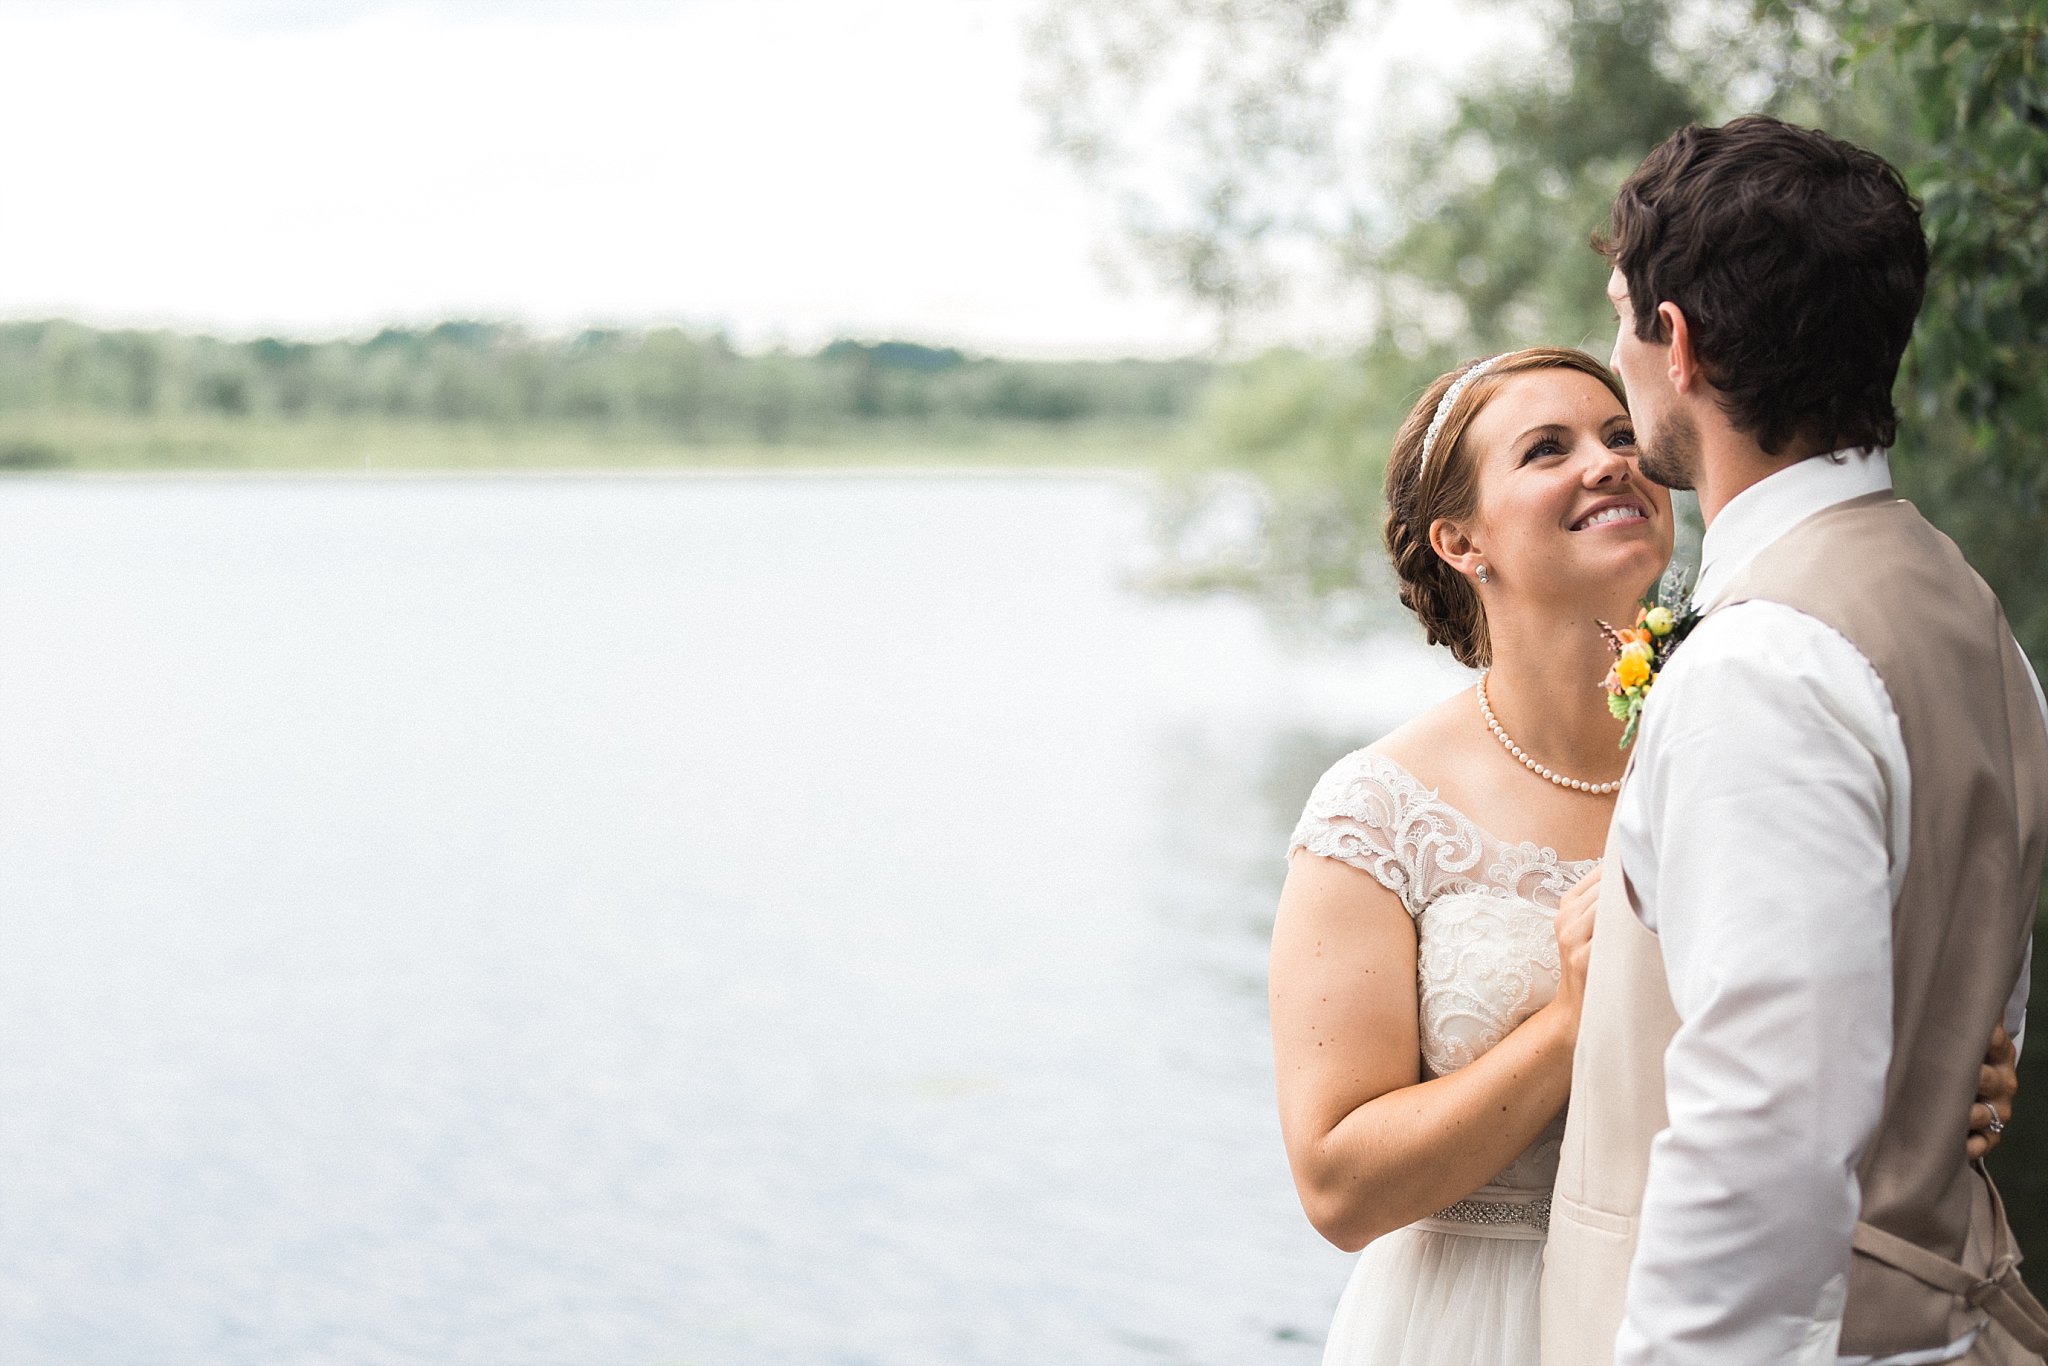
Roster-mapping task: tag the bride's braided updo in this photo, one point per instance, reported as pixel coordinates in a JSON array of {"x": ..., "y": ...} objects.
[{"x": 1417, "y": 497}]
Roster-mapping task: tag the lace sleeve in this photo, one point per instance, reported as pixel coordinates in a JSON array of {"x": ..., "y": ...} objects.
[{"x": 1360, "y": 813}]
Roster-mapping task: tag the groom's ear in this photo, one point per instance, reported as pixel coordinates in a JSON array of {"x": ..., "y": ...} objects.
[
  {"x": 1684, "y": 363},
  {"x": 1455, "y": 547}
]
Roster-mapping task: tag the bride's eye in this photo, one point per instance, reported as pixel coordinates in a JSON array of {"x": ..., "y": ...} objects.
[
  {"x": 1541, "y": 449},
  {"x": 1624, "y": 437}
]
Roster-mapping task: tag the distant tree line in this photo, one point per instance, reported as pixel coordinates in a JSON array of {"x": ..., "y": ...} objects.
[{"x": 663, "y": 381}]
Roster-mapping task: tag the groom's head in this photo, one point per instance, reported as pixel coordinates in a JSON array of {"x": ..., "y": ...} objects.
[{"x": 1789, "y": 265}]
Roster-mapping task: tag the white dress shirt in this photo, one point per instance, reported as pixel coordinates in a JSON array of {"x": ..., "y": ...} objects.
[{"x": 1765, "y": 832}]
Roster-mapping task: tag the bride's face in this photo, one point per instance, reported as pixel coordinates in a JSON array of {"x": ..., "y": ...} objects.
[{"x": 1563, "y": 509}]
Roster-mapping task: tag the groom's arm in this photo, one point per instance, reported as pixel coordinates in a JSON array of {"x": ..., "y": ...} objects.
[{"x": 1772, "y": 808}]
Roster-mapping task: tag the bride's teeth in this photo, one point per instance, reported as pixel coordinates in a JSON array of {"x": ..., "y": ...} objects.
[{"x": 1612, "y": 514}]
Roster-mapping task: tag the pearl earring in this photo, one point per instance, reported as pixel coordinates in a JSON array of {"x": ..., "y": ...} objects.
[{"x": 1482, "y": 574}]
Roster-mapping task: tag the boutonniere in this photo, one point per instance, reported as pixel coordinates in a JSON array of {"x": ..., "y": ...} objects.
[{"x": 1663, "y": 619}]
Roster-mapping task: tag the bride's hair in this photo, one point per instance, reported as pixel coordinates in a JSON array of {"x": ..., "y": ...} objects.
[{"x": 1448, "y": 605}]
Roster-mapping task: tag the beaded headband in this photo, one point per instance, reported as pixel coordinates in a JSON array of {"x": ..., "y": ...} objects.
[{"x": 1444, "y": 406}]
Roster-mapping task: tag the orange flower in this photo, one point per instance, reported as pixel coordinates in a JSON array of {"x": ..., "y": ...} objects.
[{"x": 1632, "y": 669}]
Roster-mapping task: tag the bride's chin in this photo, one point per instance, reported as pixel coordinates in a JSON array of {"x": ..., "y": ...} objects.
[
  {"x": 1615, "y": 595},
  {"x": 1644, "y": 568}
]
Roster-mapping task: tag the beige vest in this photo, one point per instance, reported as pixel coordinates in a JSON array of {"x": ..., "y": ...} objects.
[{"x": 1874, "y": 570}]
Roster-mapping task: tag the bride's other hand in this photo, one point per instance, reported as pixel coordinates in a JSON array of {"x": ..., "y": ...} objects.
[
  {"x": 1998, "y": 1081},
  {"x": 1575, "y": 942}
]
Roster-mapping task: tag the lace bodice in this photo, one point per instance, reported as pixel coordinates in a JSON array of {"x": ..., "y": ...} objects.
[{"x": 1486, "y": 949}]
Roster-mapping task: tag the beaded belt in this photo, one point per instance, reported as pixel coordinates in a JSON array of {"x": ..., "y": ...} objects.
[
  {"x": 1481, "y": 1217},
  {"x": 1535, "y": 1213}
]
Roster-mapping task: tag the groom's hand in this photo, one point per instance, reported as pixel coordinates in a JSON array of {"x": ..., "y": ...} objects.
[{"x": 1998, "y": 1081}]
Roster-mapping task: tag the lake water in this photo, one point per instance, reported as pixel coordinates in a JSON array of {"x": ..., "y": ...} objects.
[{"x": 651, "y": 920}]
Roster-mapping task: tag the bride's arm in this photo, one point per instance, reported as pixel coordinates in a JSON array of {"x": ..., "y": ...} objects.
[{"x": 1372, "y": 1145}]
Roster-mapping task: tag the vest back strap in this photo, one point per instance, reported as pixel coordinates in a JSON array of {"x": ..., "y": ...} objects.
[{"x": 2000, "y": 1293}]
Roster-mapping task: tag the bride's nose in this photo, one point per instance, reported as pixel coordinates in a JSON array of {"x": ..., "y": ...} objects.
[{"x": 1606, "y": 466}]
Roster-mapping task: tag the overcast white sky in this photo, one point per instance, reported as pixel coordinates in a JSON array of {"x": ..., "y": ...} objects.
[{"x": 790, "y": 169}]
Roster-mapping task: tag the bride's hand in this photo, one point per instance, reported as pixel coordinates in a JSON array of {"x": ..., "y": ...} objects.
[
  {"x": 1575, "y": 941},
  {"x": 1998, "y": 1081}
]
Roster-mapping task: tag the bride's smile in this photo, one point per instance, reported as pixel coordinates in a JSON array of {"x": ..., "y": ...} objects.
[{"x": 1614, "y": 512}]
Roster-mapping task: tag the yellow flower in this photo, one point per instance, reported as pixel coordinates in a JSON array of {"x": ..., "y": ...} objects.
[
  {"x": 1660, "y": 621},
  {"x": 1636, "y": 649},
  {"x": 1633, "y": 668}
]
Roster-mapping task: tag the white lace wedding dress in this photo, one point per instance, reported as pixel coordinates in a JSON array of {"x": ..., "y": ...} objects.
[{"x": 1459, "y": 1288}]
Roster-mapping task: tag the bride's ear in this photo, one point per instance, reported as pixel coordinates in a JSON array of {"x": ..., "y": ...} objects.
[{"x": 1455, "y": 547}]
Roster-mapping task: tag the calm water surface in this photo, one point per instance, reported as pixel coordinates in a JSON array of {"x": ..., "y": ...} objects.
[{"x": 811, "y": 920}]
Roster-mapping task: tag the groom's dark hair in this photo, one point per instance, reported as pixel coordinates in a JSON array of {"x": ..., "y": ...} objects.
[{"x": 1799, "y": 262}]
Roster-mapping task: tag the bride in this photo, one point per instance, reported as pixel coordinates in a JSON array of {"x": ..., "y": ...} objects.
[{"x": 1430, "y": 947}]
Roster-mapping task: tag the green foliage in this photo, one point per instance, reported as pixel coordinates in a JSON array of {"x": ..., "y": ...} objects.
[
  {"x": 1977, "y": 377},
  {"x": 1502, "y": 201}
]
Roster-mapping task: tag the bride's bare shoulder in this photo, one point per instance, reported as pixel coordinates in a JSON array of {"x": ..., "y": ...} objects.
[{"x": 1434, "y": 744}]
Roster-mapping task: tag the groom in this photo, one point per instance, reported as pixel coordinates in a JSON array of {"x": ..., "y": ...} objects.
[{"x": 1820, "y": 882}]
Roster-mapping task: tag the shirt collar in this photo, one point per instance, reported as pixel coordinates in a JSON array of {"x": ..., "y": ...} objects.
[{"x": 1772, "y": 506}]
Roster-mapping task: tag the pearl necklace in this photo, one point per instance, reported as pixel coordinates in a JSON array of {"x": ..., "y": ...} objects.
[{"x": 1500, "y": 733}]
